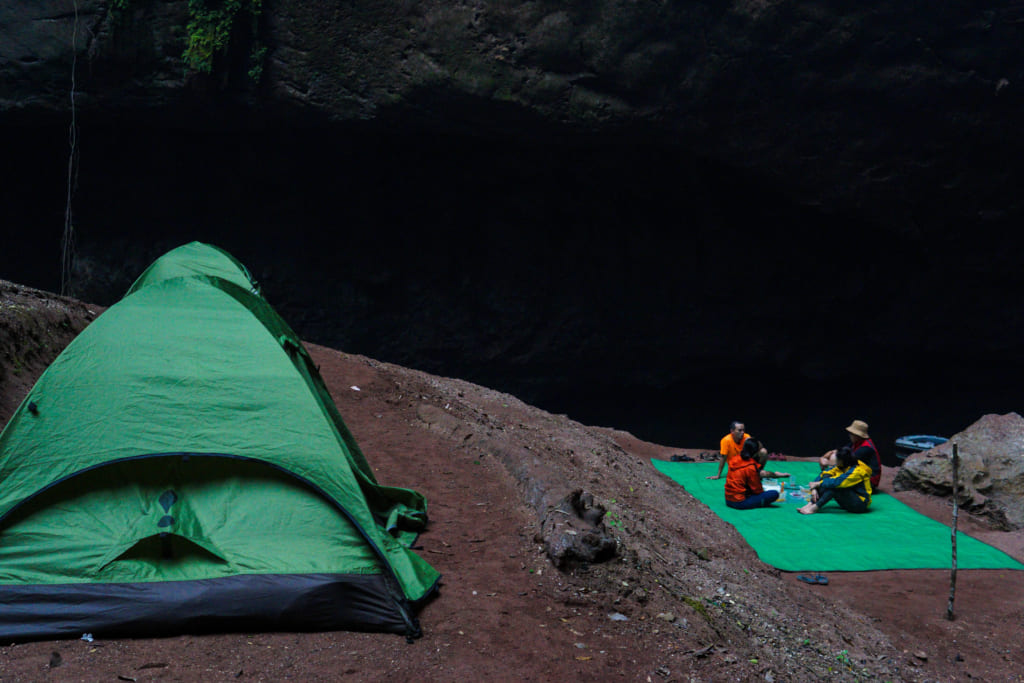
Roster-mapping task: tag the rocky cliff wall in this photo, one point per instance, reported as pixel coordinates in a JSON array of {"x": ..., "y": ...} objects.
[
  {"x": 905, "y": 111},
  {"x": 617, "y": 203}
]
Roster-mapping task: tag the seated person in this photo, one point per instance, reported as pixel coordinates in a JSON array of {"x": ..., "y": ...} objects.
[
  {"x": 848, "y": 483},
  {"x": 730, "y": 446},
  {"x": 863, "y": 447},
  {"x": 827, "y": 461},
  {"x": 761, "y": 458},
  {"x": 865, "y": 450},
  {"x": 743, "y": 489}
]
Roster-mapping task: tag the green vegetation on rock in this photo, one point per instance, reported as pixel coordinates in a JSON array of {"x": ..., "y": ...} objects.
[{"x": 210, "y": 26}]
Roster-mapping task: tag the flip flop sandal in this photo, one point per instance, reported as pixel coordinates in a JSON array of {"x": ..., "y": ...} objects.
[{"x": 816, "y": 579}]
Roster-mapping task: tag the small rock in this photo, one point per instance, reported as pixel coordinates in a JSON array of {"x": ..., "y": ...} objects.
[
  {"x": 618, "y": 616},
  {"x": 667, "y": 616},
  {"x": 55, "y": 660},
  {"x": 921, "y": 655}
]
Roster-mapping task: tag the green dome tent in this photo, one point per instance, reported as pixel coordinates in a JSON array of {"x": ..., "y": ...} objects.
[{"x": 181, "y": 467}]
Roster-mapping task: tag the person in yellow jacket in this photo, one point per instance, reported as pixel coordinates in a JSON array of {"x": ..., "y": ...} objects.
[{"x": 848, "y": 483}]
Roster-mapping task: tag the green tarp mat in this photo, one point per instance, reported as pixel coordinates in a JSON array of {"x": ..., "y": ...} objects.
[{"x": 891, "y": 535}]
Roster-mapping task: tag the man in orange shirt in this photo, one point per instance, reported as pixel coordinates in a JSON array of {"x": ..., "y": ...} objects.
[{"x": 731, "y": 446}]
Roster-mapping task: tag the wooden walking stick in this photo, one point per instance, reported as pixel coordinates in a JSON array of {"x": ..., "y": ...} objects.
[{"x": 956, "y": 510}]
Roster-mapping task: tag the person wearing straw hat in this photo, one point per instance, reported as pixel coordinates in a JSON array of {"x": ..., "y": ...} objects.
[{"x": 864, "y": 450}]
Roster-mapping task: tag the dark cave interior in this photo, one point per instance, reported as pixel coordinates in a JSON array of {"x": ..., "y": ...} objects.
[{"x": 623, "y": 281}]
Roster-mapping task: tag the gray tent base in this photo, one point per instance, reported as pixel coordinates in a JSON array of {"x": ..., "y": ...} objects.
[{"x": 242, "y": 604}]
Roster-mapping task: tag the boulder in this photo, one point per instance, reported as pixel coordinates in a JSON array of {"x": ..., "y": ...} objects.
[
  {"x": 991, "y": 472},
  {"x": 574, "y": 534}
]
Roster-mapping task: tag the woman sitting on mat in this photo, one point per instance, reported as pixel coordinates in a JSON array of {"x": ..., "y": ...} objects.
[
  {"x": 743, "y": 489},
  {"x": 848, "y": 483}
]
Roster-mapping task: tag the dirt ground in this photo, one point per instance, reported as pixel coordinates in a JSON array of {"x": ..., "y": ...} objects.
[{"x": 683, "y": 599}]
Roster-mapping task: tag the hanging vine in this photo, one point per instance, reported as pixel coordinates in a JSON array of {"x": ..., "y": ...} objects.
[
  {"x": 68, "y": 236},
  {"x": 209, "y": 31},
  {"x": 210, "y": 26}
]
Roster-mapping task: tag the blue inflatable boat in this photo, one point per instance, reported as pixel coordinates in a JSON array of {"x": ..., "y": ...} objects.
[{"x": 915, "y": 443}]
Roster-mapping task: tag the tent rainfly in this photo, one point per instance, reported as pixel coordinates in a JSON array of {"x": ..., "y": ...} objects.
[{"x": 181, "y": 468}]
